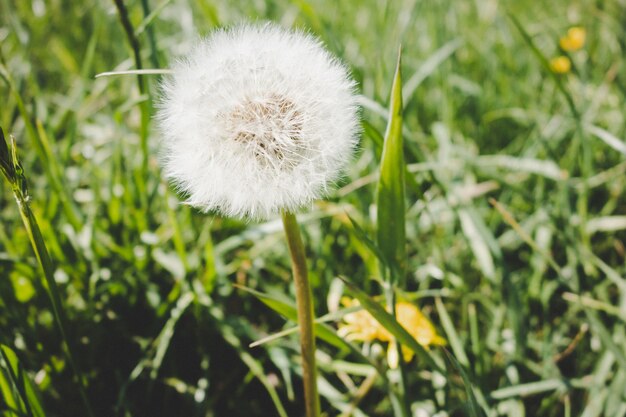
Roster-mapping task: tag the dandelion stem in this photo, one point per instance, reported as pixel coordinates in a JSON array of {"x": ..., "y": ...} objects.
[{"x": 304, "y": 302}]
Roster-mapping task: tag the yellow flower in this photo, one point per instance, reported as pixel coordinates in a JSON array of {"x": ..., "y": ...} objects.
[
  {"x": 560, "y": 65},
  {"x": 362, "y": 326},
  {"x": 574, "y": 40},
  {"x": 359, "y": 325}
]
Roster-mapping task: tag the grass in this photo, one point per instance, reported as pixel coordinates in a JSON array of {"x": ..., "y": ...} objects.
[{"x": 514, "y": 218}]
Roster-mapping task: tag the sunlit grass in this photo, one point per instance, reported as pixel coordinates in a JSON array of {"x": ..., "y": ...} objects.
[{"x": 514, "y": 217}]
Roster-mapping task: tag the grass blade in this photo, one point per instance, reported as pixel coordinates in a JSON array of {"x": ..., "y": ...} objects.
[
  {"x": 322, "y": 331},
  {"x": 608, "y": 138},
  {"x": 135, "y": 72},
  {"x": 390, "y": 198},
  {"x": 474, "y": 408},
  {"x": 25, "y": 388},
  {"x": 363, "y": 238},
  {"x": 15, "y": 176},
  {"x": 229, "y": 334},
  {"x": 429, "y": 66},
  {"x": 453, "y": 337},
  {"x": 288, "y": 311}
]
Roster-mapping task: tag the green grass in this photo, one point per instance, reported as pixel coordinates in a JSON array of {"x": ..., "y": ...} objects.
[{"x": 515, "y": 217}]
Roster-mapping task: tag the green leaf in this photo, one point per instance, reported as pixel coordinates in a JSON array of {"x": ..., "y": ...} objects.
[
  {"x": 607, "y": 137},
  {"x": 391, "y": 324},
  {"x": 229, "y": 333},
  {"x": 429, "y": 66},
  {"x": 530, "y": 388},
  {"x": 5, "y": 158},
  {"x": 453, "y": 337},
  {"x": 322, "y": 331},
  {"x": 283, "y": 308},
  {"x": 45, "y": 262},
  {"x": 17, "y": 389},
  {"x": 474, "y": 408},
  {"x": 371, "y": 132},
  {"x": 390, "y": 200},
  {"x": 606, "y": 336},
  {"x": 364, "y": 238}
]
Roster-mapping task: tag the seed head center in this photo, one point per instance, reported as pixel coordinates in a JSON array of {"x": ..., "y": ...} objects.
[{"x": 269, "y": 129}]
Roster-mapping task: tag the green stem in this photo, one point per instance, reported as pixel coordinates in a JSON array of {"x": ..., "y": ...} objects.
[
  {"x": 306, "y": 314},
  {"x": 144, "y": 106},
  {"x": 401, "y": 403}
]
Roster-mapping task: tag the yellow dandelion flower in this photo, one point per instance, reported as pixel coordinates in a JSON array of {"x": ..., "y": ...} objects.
[
  {"x": 560, "y": 65},
  {"x": 362, "y": 326},
  {"x": 359, "y": 325},
  {"x": 574, "y": 40},
  {"x": 418, "y": 326}
]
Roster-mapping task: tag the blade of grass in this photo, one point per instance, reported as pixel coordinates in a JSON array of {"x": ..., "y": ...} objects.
[
  {"x": 159, "y": 346},
  {"x": 12, "y": 169},
  {"x": 546, "y": 65},
  {"x": 150, "y": 17},
  {"x": 9, "y": 395},
  {"x": 144, "y": 106},
  {"x": 474, "y": 408},
  {"x": 477, "y": 242},
  {"x": 252, "y": 363},
  {"x": 166, "y": 334},
  {"x": 595, "y": 323},
  {"x": 428, "y": 67},
  {"x": 48, "y": 161},
  {"x": 390, "y": 203},
  {"x": 56, "y": 179},
  {"x": 154, "y": 58},
  {"x": 135, "y": 72},
  {"x": 319, "y": 320},
  {"x": 390, "y": 213},
  {"x": 322, "y": 331},
  {"x": 606, "y": 337},
  {"x": 23, "y": 384},
  {"x": 608, "y": 138},
  {"x": 362, "y": 236},
  {"x": 531, "y": 388},
  {"x": 580, "y": 147},
  {"x": 289, "y": 311},
  {"x": 451, "y": 333}
]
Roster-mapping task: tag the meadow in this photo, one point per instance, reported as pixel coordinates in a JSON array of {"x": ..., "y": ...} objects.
[{"x": 514, "y": 218}]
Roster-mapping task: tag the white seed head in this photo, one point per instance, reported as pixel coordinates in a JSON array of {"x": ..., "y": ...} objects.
[{"x": 257, "y": 119}]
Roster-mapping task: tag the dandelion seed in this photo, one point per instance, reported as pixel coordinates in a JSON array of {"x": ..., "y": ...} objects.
[
  {"x": 560, "y": 65},
  {"x": 255, "y": 120},
  {"x": 574, "y": 40}
]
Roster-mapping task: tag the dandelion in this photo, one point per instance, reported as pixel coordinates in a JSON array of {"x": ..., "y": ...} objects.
[
  {"x": 560, "y": 65},
  {"x": 362, "y": 326},
  {"x": 258, "y": 120},
  {"x": 255, "y": 120},
  {"x": 574, "y": 40}
]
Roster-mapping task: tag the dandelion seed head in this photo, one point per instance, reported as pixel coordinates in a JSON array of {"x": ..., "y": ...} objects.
[{"x": 257, "y": 119}]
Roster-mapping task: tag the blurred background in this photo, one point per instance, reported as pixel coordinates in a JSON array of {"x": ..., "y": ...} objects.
[{"x": 514, "y": 129}]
